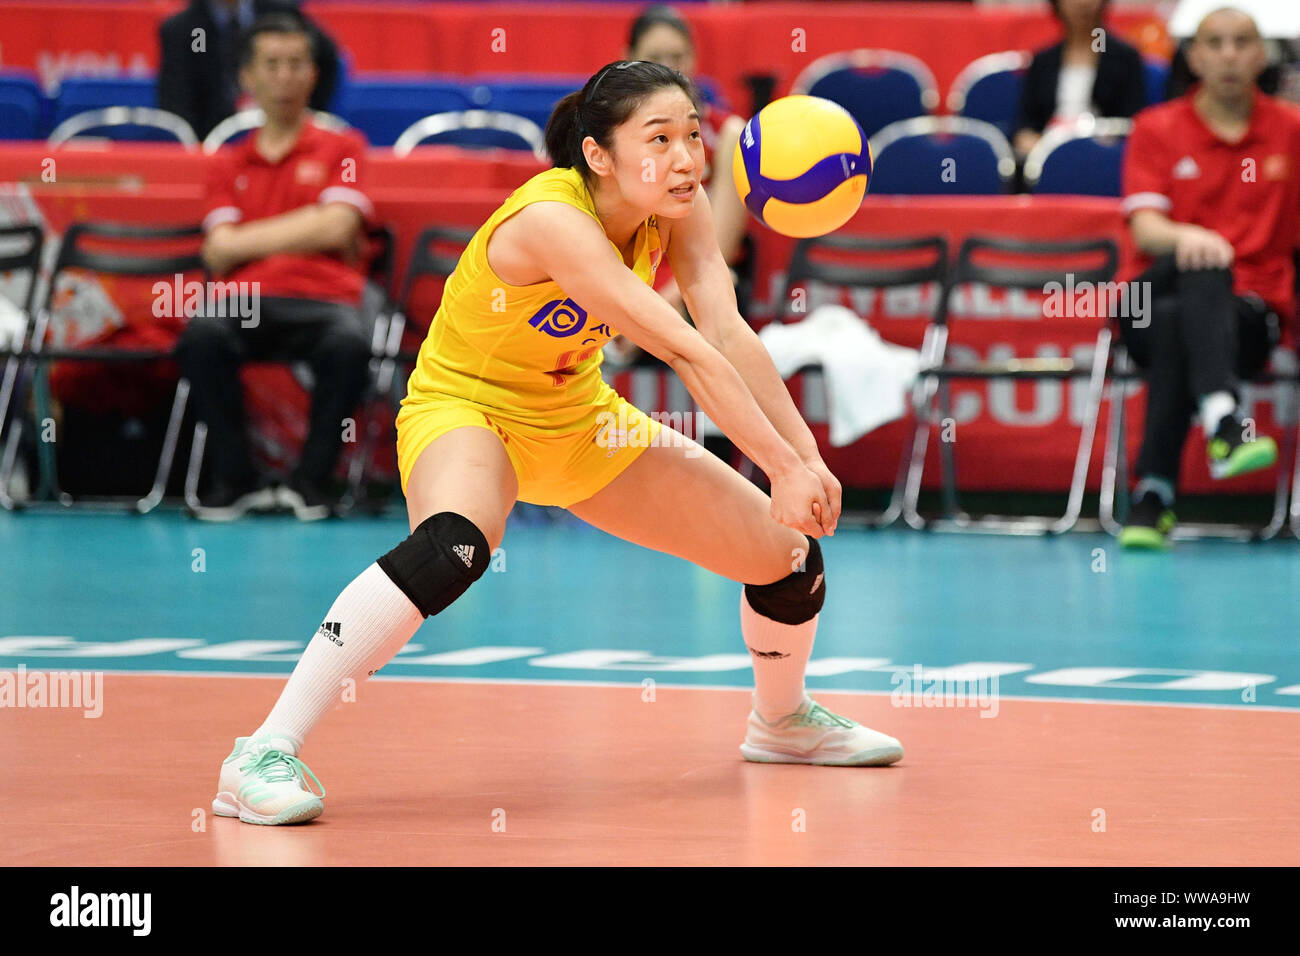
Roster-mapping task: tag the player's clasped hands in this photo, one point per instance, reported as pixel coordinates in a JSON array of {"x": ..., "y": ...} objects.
[
  {"x": 1200, "y": 248},
  {"x": 807, "y": 498}
]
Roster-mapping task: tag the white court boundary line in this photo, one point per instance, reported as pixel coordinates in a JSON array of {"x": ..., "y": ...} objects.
[{"x": 858, "y": 692}]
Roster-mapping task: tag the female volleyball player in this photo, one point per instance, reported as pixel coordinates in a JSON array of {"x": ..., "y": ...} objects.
[{"x": 507, "y": 403}]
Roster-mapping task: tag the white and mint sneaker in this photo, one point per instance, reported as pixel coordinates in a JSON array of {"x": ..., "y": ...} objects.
[
  {"x": 263, "y": 784},
  {"x": 812, "y": 734}
]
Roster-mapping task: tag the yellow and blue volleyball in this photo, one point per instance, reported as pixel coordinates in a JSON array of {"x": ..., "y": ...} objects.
[{"x": 802, "y": 165}]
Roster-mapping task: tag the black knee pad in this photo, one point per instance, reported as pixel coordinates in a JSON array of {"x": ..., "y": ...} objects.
[
  {"x": 438, "y": 562},
  {"x": 798, "y": 596}
]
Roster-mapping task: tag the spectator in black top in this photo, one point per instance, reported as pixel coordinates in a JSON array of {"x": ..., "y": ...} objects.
[
  {"x": 198, "y": 77},
  {"x": 1091, "y": 71}
]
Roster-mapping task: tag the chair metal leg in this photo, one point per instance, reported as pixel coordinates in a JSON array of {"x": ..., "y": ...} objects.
[
  {"x": 898, "y": 494},
  {"x": 45, "y": 453},
  {"x": 894, "y": 511},
  {"x": 1115, "y": 470},
  {"x": 195, "y": 466},
  {"x": 48, "y": 483},
  {"x": 923, "y": 392},
  {"x": 1087, "y": 437},
  {"x": 952, "y": 509},
  {"x": 1111, "y": 474},
  {"x": 916, "y": 462},
  {"x": 386, "y": 341},
  {"x": 1285, "y": 411},
  {"x": 170, "y": 440},
  {"x": 1295, "y": 487},
  {"x": 7, "y": 462},
  {"x": 955, "y": 519}
]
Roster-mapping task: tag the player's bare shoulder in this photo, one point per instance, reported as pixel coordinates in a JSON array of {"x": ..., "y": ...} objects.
[{"x": 510, "y": 248}]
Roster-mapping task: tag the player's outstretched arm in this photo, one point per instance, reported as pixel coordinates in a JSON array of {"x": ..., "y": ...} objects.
[
  {"x": 586, "y": 267},
  {"x": 706, "y": 287}
]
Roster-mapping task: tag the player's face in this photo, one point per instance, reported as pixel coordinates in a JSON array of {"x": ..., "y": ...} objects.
[
  {"x": 1227, "y": 53},
  {"x": 281, "y": 74},
  {"x": 664, "y": 45},
  {"x": 658, "y": 154}
]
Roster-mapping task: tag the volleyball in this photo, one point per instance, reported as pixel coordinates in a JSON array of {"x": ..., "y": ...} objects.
[{"x": 802, "y": 165}]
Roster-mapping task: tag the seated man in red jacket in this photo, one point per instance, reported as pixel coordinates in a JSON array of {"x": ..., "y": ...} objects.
[
  {"x": 1212, "y": 191},
  {"x": 285, "y": 220}
]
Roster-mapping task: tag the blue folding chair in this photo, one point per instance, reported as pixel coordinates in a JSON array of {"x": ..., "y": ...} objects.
[
  {"x": 234, "y": 128},
  {"x": 476, "y": 129},
  {"x": 135, "y": 124},
  {"x": 988, "y": 89},
  {"x": 1084, "y": 158},
  {"x": 22, "y": 107},
  {"x": 78, "y": 94},
  {"x": 383, "y": 108},
  {"x": 877, "y": 87},
  {"x": 941, "y": 155},
  {"x": 531, "y": 98}
]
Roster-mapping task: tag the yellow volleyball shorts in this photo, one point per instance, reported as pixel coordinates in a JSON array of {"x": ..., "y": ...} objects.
[{"x": 554, "y": 468}]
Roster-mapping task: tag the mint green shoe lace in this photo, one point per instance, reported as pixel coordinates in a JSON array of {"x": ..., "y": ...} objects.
[
  {"x": 817, "y": 714},
  {"x": 275, "y": 766}
]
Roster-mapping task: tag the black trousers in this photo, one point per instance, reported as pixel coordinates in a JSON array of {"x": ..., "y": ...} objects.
[
  {"x": 1200, "y": 338},
  {"x": 329, "y": 336}
]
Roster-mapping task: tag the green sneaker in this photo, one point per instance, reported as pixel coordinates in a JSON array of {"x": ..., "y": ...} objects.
[
  {"x": 1230, "y": 454},
  {"x": 265, "y": 785},
  {"x": 1148, "y": 526}
]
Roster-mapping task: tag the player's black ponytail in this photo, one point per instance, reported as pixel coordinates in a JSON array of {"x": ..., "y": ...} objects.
[{"x": 607, "y": 100}]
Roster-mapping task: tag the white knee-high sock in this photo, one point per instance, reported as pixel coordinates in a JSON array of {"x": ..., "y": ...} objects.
[
  {"x": 780, "y": 654},
  {"x": 367, "y": 624}
]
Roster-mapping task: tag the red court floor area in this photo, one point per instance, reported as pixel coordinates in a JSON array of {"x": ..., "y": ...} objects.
[{"x": 490, "y": 774}]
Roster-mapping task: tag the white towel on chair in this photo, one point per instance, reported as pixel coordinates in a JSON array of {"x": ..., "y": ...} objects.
[
  {"x": 867, "y": 378},
  {"x": 12, "y": 324}
]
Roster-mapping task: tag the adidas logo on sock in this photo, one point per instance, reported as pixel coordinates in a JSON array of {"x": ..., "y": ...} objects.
[
  {"x": 333, "y": 630},
  {"x": 466, "y": 553}
]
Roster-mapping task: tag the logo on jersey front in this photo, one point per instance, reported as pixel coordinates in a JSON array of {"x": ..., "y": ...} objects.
[
  {"x": 310, "y": 172},
  {"x": 559, "y": 318},
  {"x": 1186, "y": 168},
  {"x": 1276, "y": 167}
]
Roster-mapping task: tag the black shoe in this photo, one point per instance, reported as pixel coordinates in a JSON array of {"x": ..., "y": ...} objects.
[
  {"x": 308, "y": 501},
  {"x": 228, "y": 502},
  {"x": 1148, "y": 525},
  {"x": 1229, "y": 454}
]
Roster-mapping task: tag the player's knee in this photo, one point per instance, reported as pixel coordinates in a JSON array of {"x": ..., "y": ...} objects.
[
  {"x": 342, "y": 350},
  {"x": 443, "y": 556},
  {"x": 798, "y": 596},
  {"x": 203, "y": 336}
]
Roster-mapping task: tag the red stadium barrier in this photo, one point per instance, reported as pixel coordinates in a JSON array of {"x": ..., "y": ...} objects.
[
  {"x": 1019, "y": 436},
  {"x": 63, "y": 37}
]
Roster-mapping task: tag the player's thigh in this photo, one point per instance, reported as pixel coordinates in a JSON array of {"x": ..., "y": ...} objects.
[
  {"x": 682, "y": 500},
  {"x": 466, "y": 471}
]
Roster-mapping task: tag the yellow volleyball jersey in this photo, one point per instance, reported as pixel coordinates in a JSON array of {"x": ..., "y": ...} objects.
[{"x": 527, "y": 353}]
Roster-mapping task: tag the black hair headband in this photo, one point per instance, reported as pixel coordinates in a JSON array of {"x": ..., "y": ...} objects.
[{"x": 591, "y": 94}]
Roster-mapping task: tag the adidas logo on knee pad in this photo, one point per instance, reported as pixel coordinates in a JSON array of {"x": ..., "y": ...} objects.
[{"x": 432, "y": 571}]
